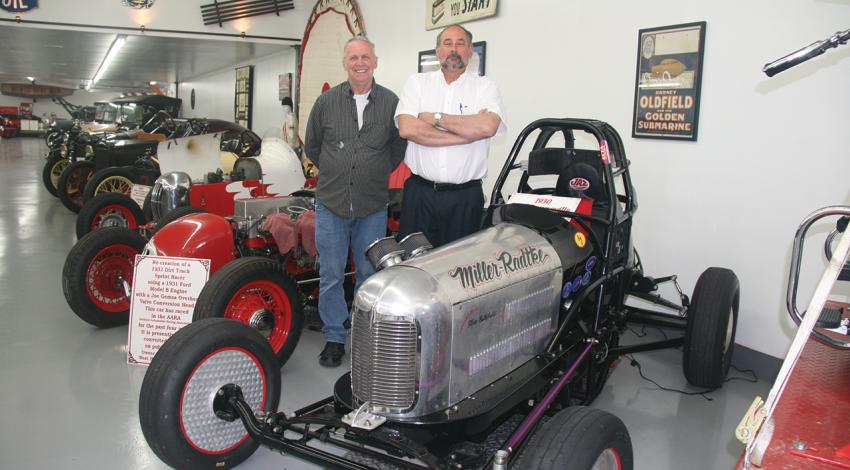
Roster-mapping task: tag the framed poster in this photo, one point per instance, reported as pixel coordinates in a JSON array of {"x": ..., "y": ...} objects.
[
  {"x": 244, "y": 95},
  {"x": 667, "y": 82},
  {"x": 428, "y": 59}
]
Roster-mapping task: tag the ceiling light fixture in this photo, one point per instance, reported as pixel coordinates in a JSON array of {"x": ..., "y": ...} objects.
[
  {"x": 30, "y": 79},
  {"x": 110, "y": 55}
]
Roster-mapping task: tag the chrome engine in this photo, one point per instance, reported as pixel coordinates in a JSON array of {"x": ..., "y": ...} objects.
[{"x": 430, "y": 331}]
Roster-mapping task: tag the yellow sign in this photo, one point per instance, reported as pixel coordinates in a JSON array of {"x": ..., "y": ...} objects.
[
  {"x": 439, "y": 13},
  {"x": 580, "y": 239}
]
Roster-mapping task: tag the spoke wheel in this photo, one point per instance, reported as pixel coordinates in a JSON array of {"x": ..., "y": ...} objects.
[
  {"x": 53, "y": 168},
  {"x": 95, "y": 271},
  {"x": 109, "y": 180},
  {"x": 109, "y": 210},
  {"x": 72, "y": 183},
  {"x": 114, "y": 184},
  {"x": 256, "y": 292}
]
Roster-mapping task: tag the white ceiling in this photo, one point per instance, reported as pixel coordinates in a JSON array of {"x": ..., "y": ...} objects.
[{"x": 70, "y": 58}]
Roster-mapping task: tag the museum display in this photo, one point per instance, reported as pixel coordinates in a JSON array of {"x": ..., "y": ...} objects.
[{"x": 514, "y": 328}]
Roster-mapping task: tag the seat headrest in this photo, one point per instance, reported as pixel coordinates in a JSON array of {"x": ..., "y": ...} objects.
[{"x": 580, "y": 179}]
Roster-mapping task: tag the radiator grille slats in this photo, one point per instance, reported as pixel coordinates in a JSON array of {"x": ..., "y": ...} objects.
[{"x": 383, "y": 369}]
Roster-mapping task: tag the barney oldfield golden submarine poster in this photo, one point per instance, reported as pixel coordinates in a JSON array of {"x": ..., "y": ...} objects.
[{"x": 669, "y": 71}]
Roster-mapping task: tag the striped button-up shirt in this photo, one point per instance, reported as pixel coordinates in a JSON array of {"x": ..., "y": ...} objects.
[{"x": 354, "y": 164}]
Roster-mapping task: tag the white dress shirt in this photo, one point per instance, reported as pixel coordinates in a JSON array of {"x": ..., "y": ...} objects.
[{"x": 469, "y": 94}]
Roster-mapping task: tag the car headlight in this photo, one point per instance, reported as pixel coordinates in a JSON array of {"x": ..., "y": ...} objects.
[{"x": 169, "y": 192}]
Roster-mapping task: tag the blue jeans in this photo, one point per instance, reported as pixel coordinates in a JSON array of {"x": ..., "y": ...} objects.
[{"x": 334, "y": 235}]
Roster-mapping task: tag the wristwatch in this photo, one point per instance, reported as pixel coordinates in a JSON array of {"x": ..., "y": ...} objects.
[{"x": 437, "y": 117}]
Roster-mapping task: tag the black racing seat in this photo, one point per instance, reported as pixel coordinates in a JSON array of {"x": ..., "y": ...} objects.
[{"x": 582, "y": 180}]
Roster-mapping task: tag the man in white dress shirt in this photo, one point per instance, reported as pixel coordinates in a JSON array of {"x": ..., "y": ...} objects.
[{"x": 448, "y": 117}]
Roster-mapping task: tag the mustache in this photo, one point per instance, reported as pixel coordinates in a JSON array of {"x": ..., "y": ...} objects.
[{"x": 457, "y": 64}]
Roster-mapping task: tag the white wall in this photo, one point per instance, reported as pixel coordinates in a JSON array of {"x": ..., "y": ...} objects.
[
  {"x": 43, "y": 106},
  {"x": 215, "y": 92},
  {"x": 769, "y": 152}
]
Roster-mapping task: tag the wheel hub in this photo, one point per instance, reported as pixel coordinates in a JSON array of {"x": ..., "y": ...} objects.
[
  {"x": 113, "y": 219},
  {"x": 262, "y": 320}
]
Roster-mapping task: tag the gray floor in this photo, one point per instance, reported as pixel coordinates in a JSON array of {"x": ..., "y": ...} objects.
[{"x": 70, "y": 400}]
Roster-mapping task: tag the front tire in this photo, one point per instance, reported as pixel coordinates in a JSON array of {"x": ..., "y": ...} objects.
[
  {"x": 53, "y": 168},
  {"x": 711, "y": 325},
  {"x": 579, "y": 438},
  {"x": 109, "y": 210},
  {"x": 72, "y": 182},
  {"x": 109, "y": 180},
  {"x": 94, "y": 274},
  {"x": 256, "y": 292},
  {"x": 175, "y": 409}
]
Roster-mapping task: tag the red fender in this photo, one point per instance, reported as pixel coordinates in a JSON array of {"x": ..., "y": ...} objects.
[{"x": 202, "y": 236}]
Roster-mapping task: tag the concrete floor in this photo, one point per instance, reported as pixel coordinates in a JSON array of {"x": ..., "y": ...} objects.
[{"x": 71, "y": 400}]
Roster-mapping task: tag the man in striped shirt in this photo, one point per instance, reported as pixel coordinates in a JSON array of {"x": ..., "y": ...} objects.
[{"x": 352, "y": 140}]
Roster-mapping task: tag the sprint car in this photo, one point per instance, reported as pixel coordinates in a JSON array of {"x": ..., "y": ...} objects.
[{"x": 450, "y": 345}]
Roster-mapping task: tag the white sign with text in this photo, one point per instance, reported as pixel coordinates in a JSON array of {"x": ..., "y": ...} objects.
[
  {"x": 164, "y": 293},
  {"x": 139, "y": 192}
]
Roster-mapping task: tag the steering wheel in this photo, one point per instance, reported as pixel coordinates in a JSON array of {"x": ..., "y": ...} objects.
[
  {"x": 249, "y": 143},
  {"x": 160, "y": 120}
]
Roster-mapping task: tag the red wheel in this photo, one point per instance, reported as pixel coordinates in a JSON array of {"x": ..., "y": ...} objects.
[
  {"x": 256, "y": 292},
  {"x": 265, "y": 306},
  {"x": 106, "y": 274},
  {"x": 97, "y": 271},
  {"x": 109, "y": 210}
]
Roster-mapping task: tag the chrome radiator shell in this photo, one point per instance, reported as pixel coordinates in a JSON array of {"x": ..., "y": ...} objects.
[{"x": 478, "y": 308}]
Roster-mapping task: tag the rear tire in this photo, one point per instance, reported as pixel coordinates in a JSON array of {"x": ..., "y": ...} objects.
[
  {"x": 93, "y": 271},
  {"x": 109, "y": 180},
  {"x": 175, "y": 410},
  {"x": 579, "y": 438},
  {"x": 256, "y": 292},
  {"x": 711, "y": 325},
  {"x": 53, "y": 168},
  {"x": 72, "y": 182}
]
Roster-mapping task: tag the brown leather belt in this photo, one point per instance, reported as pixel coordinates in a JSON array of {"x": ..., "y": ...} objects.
[{"x": 445, "y": 186}]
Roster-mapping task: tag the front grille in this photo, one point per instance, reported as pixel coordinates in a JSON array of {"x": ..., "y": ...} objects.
[{"x": 383, "y": 364}]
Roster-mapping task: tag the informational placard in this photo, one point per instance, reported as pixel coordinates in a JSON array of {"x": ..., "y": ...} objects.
[
  {"x": 164, "y": 293},
  {"x": 139, "y": 192},
  {"x": 669, "y": 76},
  {"x": 439, "y": 13}
]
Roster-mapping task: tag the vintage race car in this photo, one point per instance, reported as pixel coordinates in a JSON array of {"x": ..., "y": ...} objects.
[
  {"x": 521, "y": 319},
  {"x": 98, "y": 272}
]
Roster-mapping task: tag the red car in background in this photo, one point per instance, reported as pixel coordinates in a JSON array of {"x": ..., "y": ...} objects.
[{"x": 10, "y": 125}]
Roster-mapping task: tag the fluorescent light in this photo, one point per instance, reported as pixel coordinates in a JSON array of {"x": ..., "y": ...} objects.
[
  {"x": 113, "y": 51},
  {"x": 31, "y": 79}
]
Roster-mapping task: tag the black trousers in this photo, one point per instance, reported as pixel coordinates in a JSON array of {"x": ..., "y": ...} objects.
[{"x": 444, "y": 213}]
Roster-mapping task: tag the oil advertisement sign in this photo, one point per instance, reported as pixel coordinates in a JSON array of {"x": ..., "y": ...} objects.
[{"x": 667, "y": 91}]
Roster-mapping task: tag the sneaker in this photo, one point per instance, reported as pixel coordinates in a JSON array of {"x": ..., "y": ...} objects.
[{"x": 331, "y": 356}]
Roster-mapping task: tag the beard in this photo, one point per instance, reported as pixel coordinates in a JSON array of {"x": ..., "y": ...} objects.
[{"x": 457, "y": 64}]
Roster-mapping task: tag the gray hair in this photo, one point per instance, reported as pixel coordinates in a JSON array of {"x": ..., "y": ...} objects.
[
  {"x": 361, "y": 39},
  {"x": 466, "y": 31}
]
